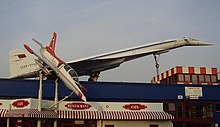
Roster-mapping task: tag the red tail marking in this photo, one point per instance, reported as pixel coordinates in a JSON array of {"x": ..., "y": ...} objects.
[
  {"x": 53, "y": 42},
  {"x": 28, "y": 49},
  {"x": 21, "y": 56}
]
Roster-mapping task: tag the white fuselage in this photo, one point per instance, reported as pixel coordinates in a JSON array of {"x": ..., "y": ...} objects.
[
  {"x": 166, "y": 45},
  {"x": 151, "y": 48},
  {"x": 62, "y": 73}
]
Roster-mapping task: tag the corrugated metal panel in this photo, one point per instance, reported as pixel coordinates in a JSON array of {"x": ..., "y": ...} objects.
[{"x": 103, "y": 91}]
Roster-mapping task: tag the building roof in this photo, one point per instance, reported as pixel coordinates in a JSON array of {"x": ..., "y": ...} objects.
[{"x": 189, "y": 71}]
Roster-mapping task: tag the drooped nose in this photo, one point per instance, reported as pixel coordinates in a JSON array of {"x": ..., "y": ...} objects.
[{"x": 195, "y": 42}]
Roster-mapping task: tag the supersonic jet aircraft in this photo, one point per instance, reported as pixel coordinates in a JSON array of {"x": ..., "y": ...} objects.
[{"x": 26, "y": 65}]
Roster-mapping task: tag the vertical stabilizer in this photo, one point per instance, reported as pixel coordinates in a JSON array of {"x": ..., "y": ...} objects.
[
  {"x": 53, "y": 42},
  {"x": 22, "y": 64}
]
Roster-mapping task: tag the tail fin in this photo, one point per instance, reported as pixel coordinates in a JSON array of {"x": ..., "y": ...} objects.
[
  {"x": 22, "y": 64},
  {"x": 53, "y": 42}
]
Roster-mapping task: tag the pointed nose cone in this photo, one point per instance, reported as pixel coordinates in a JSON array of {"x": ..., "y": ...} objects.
[
  {"x": 203, "y": 43},
  {"x": 84, "y": 98},
  {"x": 195, "y": 42},
  {"x": 80, "y": 95}
]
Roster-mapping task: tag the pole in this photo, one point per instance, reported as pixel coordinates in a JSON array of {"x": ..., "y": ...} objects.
[
  {"x": 8, "y": 119},
  {"x": 56, "y": 100},
  {"x": 39, "y": 96},
  {"x": 8, "y": 122}
]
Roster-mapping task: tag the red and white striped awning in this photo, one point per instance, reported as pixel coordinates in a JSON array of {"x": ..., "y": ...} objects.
[
  {"x": 187, "y": 70},
  {"x": 115, "y": 115},
  {"x": 3, "y": 112},
  {"x": 33, "y": 113}
]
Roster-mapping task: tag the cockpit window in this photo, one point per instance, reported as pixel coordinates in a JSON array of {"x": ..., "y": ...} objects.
[
  {"x": 194, "y": 39},
  {"x": 67, "y": 67},
  {"x": 72, "y": 73}
]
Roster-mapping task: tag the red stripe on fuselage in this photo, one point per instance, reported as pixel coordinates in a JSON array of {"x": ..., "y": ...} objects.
[
  {"x": 54, "y": 55},
  {"x": 60, "y": 63},
  {"x": 80, "y": 95},
  {"x": 62, "y": 74}
]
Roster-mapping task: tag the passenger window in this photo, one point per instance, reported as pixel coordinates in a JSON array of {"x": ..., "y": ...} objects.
[
  {"x": 207, "y": 78},
  {"x": 214, "y": 78},
  {"x": 194, "y": 79},
  {"x": 187, "y": 78},
  {"x": 180, "y": 78},
  {"x": 171, "y": 107},
  {"x": 201, "y": 78}
]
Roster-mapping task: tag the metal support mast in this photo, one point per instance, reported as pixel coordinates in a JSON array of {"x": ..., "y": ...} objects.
[
  {"x": 56, "y": 99},
  {"x": 156, "y": 58},
  {"x": 40, "y": 96}
]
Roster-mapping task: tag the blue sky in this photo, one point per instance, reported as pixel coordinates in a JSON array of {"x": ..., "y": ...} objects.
[{"x": 91, "y": 27}]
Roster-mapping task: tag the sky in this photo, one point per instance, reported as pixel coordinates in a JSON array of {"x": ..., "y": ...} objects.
[{"x": 90, "y": 27}]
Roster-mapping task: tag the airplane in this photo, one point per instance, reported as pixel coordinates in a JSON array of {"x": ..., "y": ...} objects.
[
  {"x": 23, "y": 65},
  {"x": 49, "y": 59}
]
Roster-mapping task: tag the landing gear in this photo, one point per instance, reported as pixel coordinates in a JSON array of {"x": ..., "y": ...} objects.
[
  {"x": 94, "y": 77},
  {"x": 156, "y": 58}
]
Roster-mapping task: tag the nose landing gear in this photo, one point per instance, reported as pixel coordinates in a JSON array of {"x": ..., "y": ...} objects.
[{"x": 94, "y": 77}]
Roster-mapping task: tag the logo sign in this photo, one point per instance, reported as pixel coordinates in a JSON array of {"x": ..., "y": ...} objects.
[
  {"x": 20, "y": 103},
  {"x": 134, "y": 107},
  {"x": 18, "y": 115},
  {"x": 193, "y": 91},
  {"x": 78, "y": 106},
  {"x": 15, "y": 115}
]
